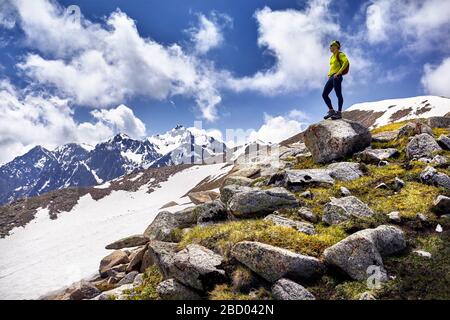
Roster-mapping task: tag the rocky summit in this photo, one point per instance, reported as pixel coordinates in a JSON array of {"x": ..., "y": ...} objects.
[{"x": 340, "y": 216}]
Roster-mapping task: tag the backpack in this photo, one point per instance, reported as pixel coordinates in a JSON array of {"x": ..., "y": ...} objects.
[{"x": 346, "y": 70}]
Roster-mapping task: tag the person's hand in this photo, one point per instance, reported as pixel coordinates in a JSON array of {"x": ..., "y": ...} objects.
[{"x": 337, "y": 75}]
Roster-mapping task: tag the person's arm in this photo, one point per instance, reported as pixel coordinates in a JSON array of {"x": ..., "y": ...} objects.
[{"x": 344, "y": 62}]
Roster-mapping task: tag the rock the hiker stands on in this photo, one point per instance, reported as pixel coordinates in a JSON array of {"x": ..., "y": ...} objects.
[{"x": 333, "y": 140}]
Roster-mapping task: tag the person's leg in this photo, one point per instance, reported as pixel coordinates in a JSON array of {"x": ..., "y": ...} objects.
[
  {"x": 337, "y": 84},
  {"x": 326, "y": 92}
]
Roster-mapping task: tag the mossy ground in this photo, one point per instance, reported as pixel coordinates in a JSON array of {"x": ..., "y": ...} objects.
[{"x": 147, "y": 290}]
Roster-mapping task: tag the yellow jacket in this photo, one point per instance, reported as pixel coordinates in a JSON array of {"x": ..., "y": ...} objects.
[{"x": 335, "y": 66}]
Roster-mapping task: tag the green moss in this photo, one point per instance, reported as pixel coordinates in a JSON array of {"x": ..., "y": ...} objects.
[
  {"x": 438, "y": 131},
  {"x": 350, "y": 290},
  {"x": 390, "y": 127},
  {"x": 306, "y": 163},
  {"x": 226, "y": 292},
  {"x": 419, "y": 277},
  {"x": 147, "y": 290},
  {"x": 221, "y": 237}
]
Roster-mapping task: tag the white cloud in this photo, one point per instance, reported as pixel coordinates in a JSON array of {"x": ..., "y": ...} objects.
[
  {"x": 421, "y": 24},
  {"x": 208, "y": 34},
  {"x": 278, "y": 128},
  {"x": 30, "y": 119},
  {"x": 436, "y": 79},
  {"x": 7, "y": 20},
  {"x": 101, "y": 66}
]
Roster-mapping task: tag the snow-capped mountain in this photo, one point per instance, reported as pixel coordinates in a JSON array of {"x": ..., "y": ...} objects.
[
  {"x": 41, "y": 170},
  {"x": 187, "y": 145},
  {"x": 379, "y": 113}
]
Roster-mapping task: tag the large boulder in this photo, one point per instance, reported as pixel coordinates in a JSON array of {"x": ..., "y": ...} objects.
[
  {"x": 273, "y": 263},
  {"x": 374, "y": 156},
  {"x": 128, "y": 242},
  {"x": 82, "y": 290},
  {"x": 342, "y": 209},
  {"x": 356, "y": 253},
  {"x": 129, "y": 278},
  {"x": 422, "y": 146},
  {"x": 285, "y": 289},
  {"x": 211, "y": 212},
  {"x": 300, "y": 179},
  {"x": 431, "y": 176},
  {"x": 441, "y": 205},
  {"x": 117, "y": 257},
  {"x": 197, "y": 267},
  {"x": 166, "y": 222},
  {"x": 444, "y": 142},
  {"x": 237, "y": 180},
  {"x": 385, "y": 136},
  {"x": 345, "y": 171},
  {"x": 171, "y": 289},
  {"x": 136, "y": 258},
  {"x": 161, "y": 254},
  {"x": 303, "y": 227},
  {"x": 333, "y": 140},
  {"x": 439, "y": 122},
  {"x": 250, "y": 202}
]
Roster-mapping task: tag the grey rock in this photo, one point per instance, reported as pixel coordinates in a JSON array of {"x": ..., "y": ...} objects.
[
  {"x": 333, "y": 140},
  {"x": 439, "y": 122},
  {"x": 307, "y": 214},
  {"x": 228, "y": 191},
  {"x": 273, "y": 263},
  {"x": 248, "y": 172},
  {"x": 366, "y": 296},
  {"x": 250, "y": 202},
  {"x": 345, "y": 192},
  {"x": 138, "y": 280},
  {"x": 356, "y": 253},
  {"x": 345, "y": 171},
  {"x": 162, "y": 254},
  {"x": 444, "y": 142},
  {"x": 374, "y": 156},
  {"x": 128, "y": 242},
  {"x": 342, "y": 209},
  {"x": 197, "y": 267},
  {"x": 398, "y": 183},
  {"x": 300, "y": 179},
  {"x": 171, "y": 289},
  {"x": 307, "y": 195},
  {"x": 383, "y": 163},
  {"x": 414, "y": 128},
  {"x": 285, "y": 289},
  {"x": 394, "y": 216},
  {"x": 201, "y": 197},
  {"x": 422, "y": 217},
  {"x": 439, "y": 160},
  {"x": 385, "y": 136},
  {"x": 211, "y": 212},
  {"x": 441, "y": 205},
  {"x": 382, "y": 186},
  {"x": 117, "y": 257},
  {"x": 304, "y": 227},
  {"x": 136, "y": 259},
  {"x": 118, "y": 293},
  {"x": 237, "y": 180},
  {"x": 432, "y": 177},
  {"x": 129, "y": 278},
  {"x": 422, "y": 145},
  {"x": 81, "y": 291}
]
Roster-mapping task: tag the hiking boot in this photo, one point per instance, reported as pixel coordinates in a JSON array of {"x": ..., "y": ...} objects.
[
  {"x": 336, "y": 116},
  {"x": 329, "y": 114}
]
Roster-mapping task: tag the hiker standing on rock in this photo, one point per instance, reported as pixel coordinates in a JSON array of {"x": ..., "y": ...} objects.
[{"x": 339, "y": 66}]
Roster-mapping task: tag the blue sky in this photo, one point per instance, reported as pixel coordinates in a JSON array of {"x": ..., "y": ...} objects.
[{"x": 252, "y": 64}]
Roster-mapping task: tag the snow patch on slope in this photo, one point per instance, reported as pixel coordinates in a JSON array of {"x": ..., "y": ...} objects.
[{"x": 47, "y": 254}]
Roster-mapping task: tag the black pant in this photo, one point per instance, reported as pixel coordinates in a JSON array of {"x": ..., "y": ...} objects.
[{"x": 336, "y": 84}]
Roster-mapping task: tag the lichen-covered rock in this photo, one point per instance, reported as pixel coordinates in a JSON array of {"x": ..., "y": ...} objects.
[
  {"x": 135, "y": 258},
  {"x": 171, "y": 289},
  {"x": 422, "y": 145},
  {"x": 273, "y": 263},
  {"x": 414, "y": 128},
  {"x": 300, "y": 179},
  {"x": 431, "y": 176},
  {"x": 345, "y": 192},
  {"x": 342, "y": 209},
  {"x": 166, "y": 222},
  {"x": 128, "y": 242},
  {"x": 285, "y": 289},
  {"x": 197, "y": 267},
  {"x": 211, "y": 212},
  {"x": 82, "y": 290},
  {"x": 304, "y": 227},
  {"x": 251, "y": 202},
  {"x": 374, "y": 156},
  {"x": 306, "y": 214},
  {"x": 115, "y": 258},
  {"x": 129, "y": 278},
  {"x": 238, "y": 181},
  {"x": 333, "y": 140},
  {"x": 441, "y": 205},
  {"x": 356, "y": 253},
  {"x": 345, "y": 171},
  {"x": 444, "y": 142},
  {"x": 119, "y": 293}
]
